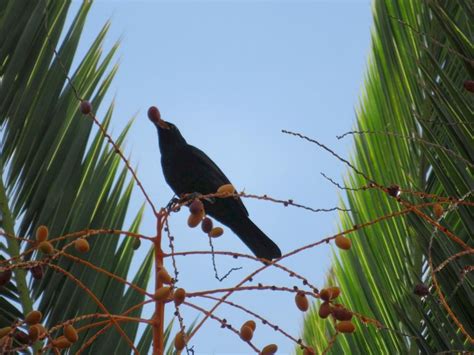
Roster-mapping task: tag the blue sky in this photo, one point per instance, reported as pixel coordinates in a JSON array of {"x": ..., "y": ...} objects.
[{"x": 231, "y": 75}]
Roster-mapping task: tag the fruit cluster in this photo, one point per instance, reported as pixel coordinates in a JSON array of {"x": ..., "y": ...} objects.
[
  {"x": 341, "y": 314},
  {"x": 36, "y": 331},
  {"x": 198, "y": 216}
]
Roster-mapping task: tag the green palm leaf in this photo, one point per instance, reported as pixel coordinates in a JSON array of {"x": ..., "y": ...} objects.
[
  {"x": 414, "y": 88},
  {"x": 57, "y": 172}
]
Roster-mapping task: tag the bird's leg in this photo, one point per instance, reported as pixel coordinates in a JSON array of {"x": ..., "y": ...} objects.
[
  {"x": 170, "y": 204},
  {"x": 185, "y": 199},
  {"x": 190, "y": 196},
  {"x": 195, "y": 195}
]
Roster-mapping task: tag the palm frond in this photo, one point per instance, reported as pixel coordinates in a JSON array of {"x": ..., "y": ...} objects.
[
  {"x": 421, "y": 56},
  {"x": 58, "y": 172}
]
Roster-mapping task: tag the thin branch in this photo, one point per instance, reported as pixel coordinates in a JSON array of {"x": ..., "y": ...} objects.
[
  {"x": 333, "y": 153},
  {"x": 416, "y": 139},
  {"x": 216, "y": 274},
  {"x": 434, "y": 41},
  {"x": 224, "y": 323},
  {"x": 98, "y": 303}
]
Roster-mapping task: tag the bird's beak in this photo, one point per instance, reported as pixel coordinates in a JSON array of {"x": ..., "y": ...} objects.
[
  {"x": 162, "y": 124},
  {"x": 155, "y": 117}
]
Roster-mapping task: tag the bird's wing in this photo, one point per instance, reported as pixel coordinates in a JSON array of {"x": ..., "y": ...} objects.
[{"x": 208, "y": 170}]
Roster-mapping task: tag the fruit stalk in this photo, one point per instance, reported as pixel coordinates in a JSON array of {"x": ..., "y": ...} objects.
[{"x": 159, "y": 316}]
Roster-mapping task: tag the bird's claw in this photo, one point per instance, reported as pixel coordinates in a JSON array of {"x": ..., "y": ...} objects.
[
  {"x": 195, "y": 195},
  {"x": 170, "y": 204},
  {"x": 191, "y": 196}
]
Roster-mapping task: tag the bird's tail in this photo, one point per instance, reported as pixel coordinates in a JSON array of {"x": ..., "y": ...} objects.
[{"x": 256, "y": 240}]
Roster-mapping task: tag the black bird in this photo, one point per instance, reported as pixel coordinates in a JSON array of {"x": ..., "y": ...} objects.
[{"x": 187, "y": 169}]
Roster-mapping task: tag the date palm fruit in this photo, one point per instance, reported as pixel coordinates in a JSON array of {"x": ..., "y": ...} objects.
[
  {"x": 325, "y": 310},
  {"x": 179, "y": 296},
  {"x": 163, "y": 293},
  {"x": 196, "y": 207},
  {"x": 341, "y": 313},
  {"x": 226, "y": 189},
  {"x": 70, "y": 333},
  {"x": 46, "y": 247},
  {"x": 251, "y": 324},
  {"x": 180, "y": 341},
  {"x": 164, "y": 277},
  {"x": 85, "y": 107},
  {"x": 269, "y": 349},
  {"x": 82, "y": 245},
  {"x": 438, "y": 210},
  {"x": 246, "y": 333},
  {"x": 61, "y": 342},
  {"x": 345, "y": 326},
  {"x": 194, "y": 220},
  {"x": 42, "y": 233},
  {"x": 206, "y": 225},
  {"x": 33, "y": 317},
  {"x": 216, "y": 232},
  {"x": 301, "y": 301}
]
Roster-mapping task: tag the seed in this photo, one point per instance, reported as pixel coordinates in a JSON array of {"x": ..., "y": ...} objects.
[
  {"x": 438, "y": 210},
  {"x": 194, "y": 220},
  {"x": 82, "y": 245},
  {"x": 86, "y": 107},
  {"x": 343, "y": 242},
  {"x": 5, "y": 276},
  {"x": 163, "y": 293},
  {"x": 393, "y": 190},
  {"x": 469, "y": 85},
  {"x": 216, "y": 232},
  {"x": 46, "y": 247},
  {"x": 136, "y": 243},
  {"x": 164, "y": 277},
  {"x": 206, "y": 225},
  {"x": 421, "y": 290},
  {"x": 42, "y": 233},
  {"x": 325, "y": 310},
  {"x": 4, "y": 331},
  {"x": 341, "y": 313},
  {"x": 345, "y": 326},
  {"x": 61, "y": 342},
  {"x": 269, "y": 349},
  {"x": 308, "y": 351},
  {"x": 33, "y": 317},
  {"x": 226, "y": 189},
  {"x": 251, "y": 324},
  {"x": 196, "y": 207},
  {"x": 70, "y": 333},
  {"x": 301, "y": 301},
  {"x": 154, "y": 114},
  {"x": 179, "y": 296},
  {"x": 37, "y": 272},
  {"x": 180, "y": 341},
  {"x": 246, "y": 333}
]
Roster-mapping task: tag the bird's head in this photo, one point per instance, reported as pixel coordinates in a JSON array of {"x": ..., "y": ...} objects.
[{"x": 168, "y": 134}]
